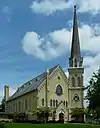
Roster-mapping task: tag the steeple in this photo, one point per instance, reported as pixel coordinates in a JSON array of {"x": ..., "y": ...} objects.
[
  {"x": 75, "y": 59},
  {"x": 75, "y": 49},
  {"x": 75, "y": 70}
]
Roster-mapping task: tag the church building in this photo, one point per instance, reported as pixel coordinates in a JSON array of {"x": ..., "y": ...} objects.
[{"x": 53, "y": 88}]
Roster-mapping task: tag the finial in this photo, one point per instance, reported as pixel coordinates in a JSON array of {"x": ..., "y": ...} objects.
[
  {"x": 47, "y": 69},
  {"x": 74, "y": 6}
]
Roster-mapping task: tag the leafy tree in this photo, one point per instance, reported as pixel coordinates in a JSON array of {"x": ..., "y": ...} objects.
[
  {"x": 88, "y": 112},
  {"x": 93, "y": 93},
  {"x": 2, "y": 105},
  {"x": 97, "y": 109},
  {"x": 46, "y": 114},
  {"x": 41, "y": 113},
  {"x": 38, "y": 113}
]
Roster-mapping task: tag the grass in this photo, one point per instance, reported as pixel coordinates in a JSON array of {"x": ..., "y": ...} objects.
[{"x": 12, "y": 125}]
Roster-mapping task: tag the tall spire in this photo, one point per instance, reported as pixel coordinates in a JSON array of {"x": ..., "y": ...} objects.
[
  {"x": 75, "y": 59},
  {"x": 75, "y": 49}
]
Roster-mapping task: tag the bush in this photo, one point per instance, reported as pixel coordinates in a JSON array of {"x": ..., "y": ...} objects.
[
  {"x": 19, "y": 117},
  {"x": 53, "y": 121},
  {"x": 74, "y": 121},
  {"x": 28, "y": 121},
  {"x": 10, "y": 116},
  {"x": 2, "y": 125}
]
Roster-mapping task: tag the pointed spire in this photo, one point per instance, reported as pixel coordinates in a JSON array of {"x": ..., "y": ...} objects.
[
  {"x": 75, "y": 49},
  {"x": 47, "y": 69}
]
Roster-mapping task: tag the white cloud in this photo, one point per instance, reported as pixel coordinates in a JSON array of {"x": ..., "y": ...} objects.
[
  {"x": 89, "y": 36},
  {"x": 8, "y": 13},
  {"x": 50, "y": 6},
  {"x": 92, "y": 65},
  {"x": 92, "y": 6},
  {"x": 56, "y": 43}
]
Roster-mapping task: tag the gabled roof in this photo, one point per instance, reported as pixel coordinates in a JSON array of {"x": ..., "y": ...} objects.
[
  {"x": 61, "y": 103},
  {"x": 32, "y": 84}
]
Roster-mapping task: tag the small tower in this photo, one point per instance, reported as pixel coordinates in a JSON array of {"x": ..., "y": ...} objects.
[
  {"x": 46, "y": 87},
  {"x": 76, "y": 70},
  {"x": 6, "y": 95},
  {"x": 6, "y": 92}
]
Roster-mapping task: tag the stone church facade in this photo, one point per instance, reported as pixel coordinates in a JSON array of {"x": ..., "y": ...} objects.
[{"x": 53, "y": 88}]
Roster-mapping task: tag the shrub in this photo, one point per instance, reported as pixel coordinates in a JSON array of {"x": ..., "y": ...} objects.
[{"x": 2, "y": 125}]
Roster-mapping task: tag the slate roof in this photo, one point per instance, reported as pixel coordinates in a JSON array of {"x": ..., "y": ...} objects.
[{"x": 31, "y": 85}]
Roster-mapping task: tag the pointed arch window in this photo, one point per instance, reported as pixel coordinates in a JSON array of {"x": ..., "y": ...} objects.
[
  {"x": 30, "y": 103},
  {"x": 71, "y": 63},
  {"x": 56, "y": 103},
  {"x": 26, "y": 104},
  {"x": 14, "y": 107},
  {"x": 80, "y": 64},
  {"x": 22, "y": 106},
  {"x": 59, "y": 90},
  {"x": 73, "y": 82},
  {"x": 79, "y": 81},
  {"x": 19, "y": 105},
  {"x": 75, "y": 62},
  {"x": 51, "y": 103},
  {"x": 66, "y": 104},
  {"x": 42, "y": 102}
]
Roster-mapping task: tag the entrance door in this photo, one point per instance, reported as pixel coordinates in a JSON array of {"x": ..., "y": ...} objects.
[{"x": 61, "y": 117}]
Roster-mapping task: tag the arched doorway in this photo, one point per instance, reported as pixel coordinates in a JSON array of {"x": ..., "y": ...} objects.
[{"x": 61, "y": 117}]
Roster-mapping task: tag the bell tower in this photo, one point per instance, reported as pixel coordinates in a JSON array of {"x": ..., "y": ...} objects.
[{"x": 76, "y": 70}]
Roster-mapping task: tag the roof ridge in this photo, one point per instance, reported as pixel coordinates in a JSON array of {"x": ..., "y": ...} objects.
[
  {"x": 33, "y": 85},
  {"x": 40, "y": 74}
]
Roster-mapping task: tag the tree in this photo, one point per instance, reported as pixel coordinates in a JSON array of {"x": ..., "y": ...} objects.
[
  {"x": 97, "y": 109},
  {"x": 88, "y": 112},
  {"x": 41, "y": 113},
  {"x": 93, "y": 93},
  {"x": 38, "y": 113},
  {"x": 77, "y": 113},
  {"x": 2, "y": 105}
]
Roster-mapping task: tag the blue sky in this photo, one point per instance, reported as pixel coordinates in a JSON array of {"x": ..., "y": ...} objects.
[{"x": 36, "y": 33}]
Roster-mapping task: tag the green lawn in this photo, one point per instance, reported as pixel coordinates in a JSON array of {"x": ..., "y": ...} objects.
[{"x": 50, "y": 126}]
